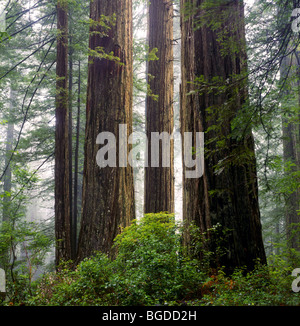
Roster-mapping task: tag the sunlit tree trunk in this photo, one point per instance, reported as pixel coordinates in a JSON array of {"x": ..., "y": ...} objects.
[
  {"x": 159, "y": 181},
  {"x": 290, "y": 76},
  {"x": 108, "y": 193}
]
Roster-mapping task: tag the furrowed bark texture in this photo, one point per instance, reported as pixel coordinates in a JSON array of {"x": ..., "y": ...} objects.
[
  {"x": 159, "y": 181},
  {"x": 290, "y": 68},
  {"x": 76, "y": 161},
  {"x": 62, "y": 173},
  {"x": 228, "y": 196},
  {"x": 108, "y": 193}
]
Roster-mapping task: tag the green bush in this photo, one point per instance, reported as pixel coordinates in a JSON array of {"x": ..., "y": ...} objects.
[
  {"x": 151, "y": 267},
  {"x": 264, "y": 286},
  {"x": 87, "y": 285},
  {"x": 23, "y": 250}
]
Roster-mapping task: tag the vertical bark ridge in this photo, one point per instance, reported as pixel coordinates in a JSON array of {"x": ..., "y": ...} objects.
[
  {"x": 62, "y": 168},
  {"x": 108, "y": 193},
  {"x": 159, "y": 181},
  {"x": 227, "y": 194}
]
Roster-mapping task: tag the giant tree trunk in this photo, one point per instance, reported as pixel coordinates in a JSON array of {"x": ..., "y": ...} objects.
[
  {"x": 108, "y": 193},
  {"x": 213, "y": 48},
  {"x": 62, "y": 173},
  {"x": 159, "y": 181}
]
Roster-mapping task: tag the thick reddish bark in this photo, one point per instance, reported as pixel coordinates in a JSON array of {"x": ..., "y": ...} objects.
[
  {"x": 159, "y": 181},
  {"x": 108, "y": 193},
  {"x": 227, "y": 195},
  {"x": 62, "y": 190}
]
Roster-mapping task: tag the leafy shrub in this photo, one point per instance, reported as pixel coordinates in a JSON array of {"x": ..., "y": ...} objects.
[
  {"x": 87, "y": 285},
  {"x": 260, "y": 287},
  {"x": 149, "y": 268},
  {"x": 23, "y": 250},
  {"x": 150, "y": 265}
]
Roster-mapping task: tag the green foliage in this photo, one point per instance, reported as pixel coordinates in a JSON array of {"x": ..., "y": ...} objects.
[
  {"x": 4, "y": 35},
  {"x": 152, "y": 55},
  {"x": 23, "y": 249},
  {"x": 100, "y": 53},
  {"x": 201, "y": 244},
  {"x": 151, "y": 267},
  {"x": 264, "y": 286},
  {"x": 24, "y": 244},
  {"x": 149, "y": 91},
  {"x": 87, "y": 285},
  {"x": 105, "y": 23},
  {"x": 150, "y": 262}
]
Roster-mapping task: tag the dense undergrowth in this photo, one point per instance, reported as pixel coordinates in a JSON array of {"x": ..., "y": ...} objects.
[{"x": 151, "y": 267}]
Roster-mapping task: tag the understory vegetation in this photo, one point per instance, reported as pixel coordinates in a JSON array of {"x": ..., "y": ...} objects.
[{"x": 151, "y": 266}]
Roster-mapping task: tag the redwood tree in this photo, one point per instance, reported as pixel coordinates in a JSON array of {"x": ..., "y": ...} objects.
[
  {"x": 290, "y": 75},
  {"x": 159, "y": 180},
  {"x": 62, "y": 174},
  {"x": 108, "y": 192},
  {"x": 223, "y": 203}
]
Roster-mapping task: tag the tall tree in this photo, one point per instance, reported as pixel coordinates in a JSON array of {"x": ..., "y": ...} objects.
[
  {"x": 62, "y": 167},
  {"x": 76, "y": 161},
  {"x": 290, "y": 77},
  {"x": 7, "y": 182},
  {"x": 73, "y": 225},
  {"x": 213, "y": 93},
  {"x": 108, "y": 192},
  {"x": 159, "y": 180}
]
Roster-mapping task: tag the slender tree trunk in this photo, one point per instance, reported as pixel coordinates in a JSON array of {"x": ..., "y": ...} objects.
[
  {"x": 108, "y": 192},
  {"x": 76, "y": 159},
  {"x": 72, "y": 222},
  {"x": 227, "y": 193},
  {"x": 62, "y": 167},
  {"x": 291, "y": 146},
  {"x": 159, "y": 181},
  {"x": 8, "y": 152},
  {"x": 291, "y": 155}
]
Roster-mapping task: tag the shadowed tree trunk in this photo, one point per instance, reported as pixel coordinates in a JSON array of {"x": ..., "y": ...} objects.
[
  {"x": 159, "y": 181},
  {"x": 290, "y": 68},
  {"x": 108, "y": 192},
  {"x": 62, "y": 173},
  {"x": 226, "y": 196},
  {"x": 76, "y": 160}
]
